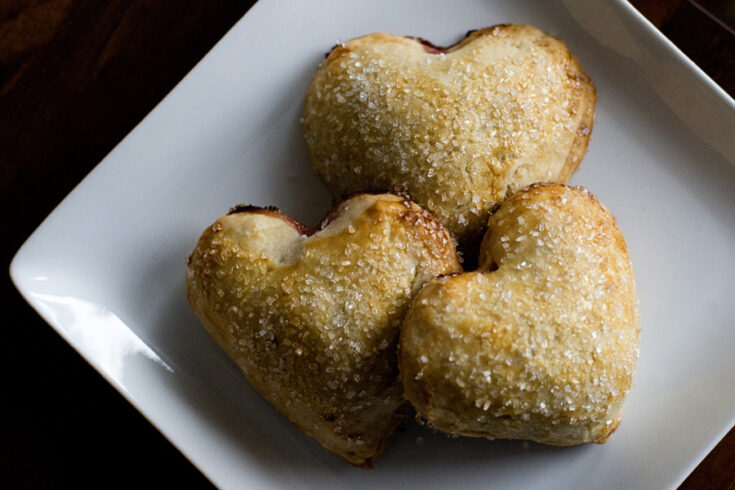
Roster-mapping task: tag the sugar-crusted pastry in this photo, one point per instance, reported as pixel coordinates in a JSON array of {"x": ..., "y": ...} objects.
[
  {"x": 312, "y": 316},
  {"x": 541, "y": 343},
  {"x": 457, "y": 129}
]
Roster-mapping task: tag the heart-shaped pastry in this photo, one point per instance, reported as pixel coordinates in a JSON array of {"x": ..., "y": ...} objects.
[
  {"x": 457, "y": 129},
  {"x": 541, "y": 343},
  {"x": 312, "y": 316}
]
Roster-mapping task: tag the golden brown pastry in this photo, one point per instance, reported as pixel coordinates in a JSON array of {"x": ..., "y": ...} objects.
[
  {"x": 457, "y": 129},
  {"x": 541, "y": 342},
  {"x": 312, "y": 316}
]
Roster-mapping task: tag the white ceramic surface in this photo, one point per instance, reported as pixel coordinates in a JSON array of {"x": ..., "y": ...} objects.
[{"x": 106, "y": 269}]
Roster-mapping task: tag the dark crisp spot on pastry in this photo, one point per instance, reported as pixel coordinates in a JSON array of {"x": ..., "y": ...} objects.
[
  {"x": 492, "y": 267},
  {"x": 451, "y": 274},
  {"x": 336, "y": 50},
  {"x": 330, "y": 51},
  {"x": 249, "y": 208}
]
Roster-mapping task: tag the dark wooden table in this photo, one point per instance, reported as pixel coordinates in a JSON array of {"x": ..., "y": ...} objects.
[{"x": 75, "y": 78}]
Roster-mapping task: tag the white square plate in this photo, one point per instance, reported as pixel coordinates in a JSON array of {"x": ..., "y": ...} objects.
[{"x": 107, "y": 268}]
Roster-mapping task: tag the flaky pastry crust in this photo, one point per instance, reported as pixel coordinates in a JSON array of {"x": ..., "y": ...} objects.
[
  {"x": 311, "y": 316},
  {"x": 457, "y": 129},
  {"x": 541, "y": 343}
]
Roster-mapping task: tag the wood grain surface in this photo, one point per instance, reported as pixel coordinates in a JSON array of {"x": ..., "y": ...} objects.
[{"x": 75, "y": 78}]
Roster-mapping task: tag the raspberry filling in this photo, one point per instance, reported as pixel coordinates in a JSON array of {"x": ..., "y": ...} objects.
[{"x": 429, "y": 47}]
